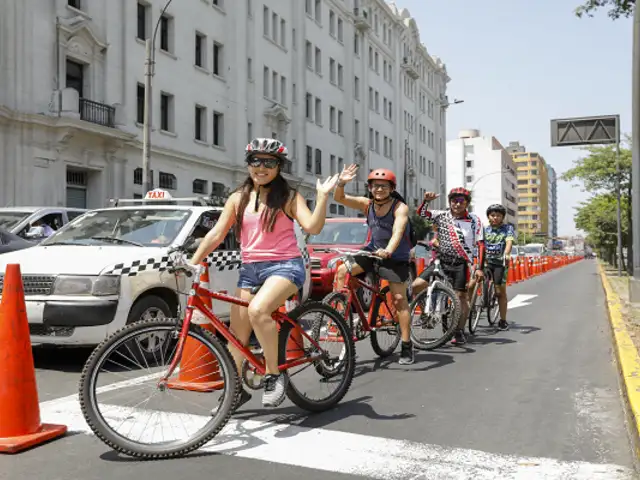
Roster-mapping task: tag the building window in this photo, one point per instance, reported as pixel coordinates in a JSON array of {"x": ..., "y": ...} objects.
[
  {"x": 218, "y": 129},
  {"x": 166, "y": 33},
  {"x": 309, "y": 106},
  {"x": 74, "y": 4},
  {"x": 217, "y": 59},
  {"x": 200, "y": 121},
  {"x": 200, "y": 186},
  {"x": 140, "y": 103},
  {"x": 142, "y": 20},
  {"x": 168, "y": 181},
  {"x": 201, "y": 42},
  {"x": 265, "y": 82},
  {"x": 166, "y": 112},
  {"x": 318, "y": 161},
  {"x": 309, "y": 159}
]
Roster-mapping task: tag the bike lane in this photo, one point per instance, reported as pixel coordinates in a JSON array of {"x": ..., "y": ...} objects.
[{"x": 540, "y": 401}]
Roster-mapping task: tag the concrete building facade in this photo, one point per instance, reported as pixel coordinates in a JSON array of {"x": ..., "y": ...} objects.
[
  {"x": 481, "y": 164},
  {"x": 339, "y": 81}
]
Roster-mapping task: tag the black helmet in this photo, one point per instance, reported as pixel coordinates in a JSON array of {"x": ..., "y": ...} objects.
[{"x": 496, "y": 207}]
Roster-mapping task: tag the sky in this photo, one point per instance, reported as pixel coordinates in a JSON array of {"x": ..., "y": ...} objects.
[{"x": 519, "y": 63}]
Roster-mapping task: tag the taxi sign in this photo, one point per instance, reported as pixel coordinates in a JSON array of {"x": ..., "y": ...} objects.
[{"x": 157, "y": 194}]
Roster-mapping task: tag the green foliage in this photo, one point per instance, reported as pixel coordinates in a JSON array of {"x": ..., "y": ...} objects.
[
  {"x": 421, "y": 226},
  {"x": 617, "y": 8},
  {"x": 597, "y": 217}
]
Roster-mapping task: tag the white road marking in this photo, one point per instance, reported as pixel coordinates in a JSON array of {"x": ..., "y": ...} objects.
[
  {"x": 350, "y": 453},
  {"x": 520, "y": 300}
]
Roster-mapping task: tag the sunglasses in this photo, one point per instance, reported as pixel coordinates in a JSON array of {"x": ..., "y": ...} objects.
[
  {"x": 267, "y": 162},
  {"x": 458, "y": 200}
]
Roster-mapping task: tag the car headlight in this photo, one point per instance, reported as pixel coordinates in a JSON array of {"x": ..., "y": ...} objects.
[{"x": 87, "y": 285}]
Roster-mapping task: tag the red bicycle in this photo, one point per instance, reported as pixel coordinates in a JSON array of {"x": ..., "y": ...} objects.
[
  {"x": 183, "y": 338},
  {"x": 378, "y": 323}
]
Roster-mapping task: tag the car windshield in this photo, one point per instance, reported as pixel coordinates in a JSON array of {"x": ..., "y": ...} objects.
[
  {"x": 536, "y": 249},
  {"x": 341, "y": 233},
  {"x": 139, "y": 227},
  {"x": 9, "y": 220}
]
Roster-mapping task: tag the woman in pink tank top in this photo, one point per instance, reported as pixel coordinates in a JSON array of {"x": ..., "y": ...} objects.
[{"x": 262, "y": 210}]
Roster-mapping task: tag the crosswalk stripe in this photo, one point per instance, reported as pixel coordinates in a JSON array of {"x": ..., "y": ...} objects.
[{"x": 350, "y": 453}]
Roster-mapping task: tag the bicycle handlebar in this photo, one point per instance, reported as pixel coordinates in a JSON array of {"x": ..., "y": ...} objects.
[{"x": 352, "y": 253}]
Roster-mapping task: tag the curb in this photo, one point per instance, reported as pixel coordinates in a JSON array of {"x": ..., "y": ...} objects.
[{"x": 627, "y": 356}]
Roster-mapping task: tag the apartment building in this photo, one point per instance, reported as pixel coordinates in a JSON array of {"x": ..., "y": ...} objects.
[
  {"x": 533, "y": 191},
  {"x": 482, "y": 165},
  {"x": 337, "y": 80}
]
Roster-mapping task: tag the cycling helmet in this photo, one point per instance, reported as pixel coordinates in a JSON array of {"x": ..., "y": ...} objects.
[
  {"x": 269, "y": 146},
  {"x": 460, "y": 191},
  {"x": 496, "y": 207},
  {"x": 382, "y": 174}
]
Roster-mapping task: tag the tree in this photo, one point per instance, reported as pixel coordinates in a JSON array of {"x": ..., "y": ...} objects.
[
  {"x": 421, "y": 225},
  {"x": 597, "y": 217},
  {"x": 597, "y": 171},
  {"x": 617, "y": 8}
]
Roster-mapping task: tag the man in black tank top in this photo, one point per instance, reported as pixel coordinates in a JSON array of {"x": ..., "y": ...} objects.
[{"x": 388, "y": 220}]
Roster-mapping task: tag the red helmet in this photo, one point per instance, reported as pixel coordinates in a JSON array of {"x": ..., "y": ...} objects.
[
  {"x": 460, "y": 191},
  {"x": 382, "y": 174}
]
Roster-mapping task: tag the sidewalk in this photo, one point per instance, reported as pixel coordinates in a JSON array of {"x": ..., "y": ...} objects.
[{"x": 625, "y": 323}]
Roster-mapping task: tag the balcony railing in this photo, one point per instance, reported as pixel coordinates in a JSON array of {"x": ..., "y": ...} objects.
[{"x": 98, "y": 113}]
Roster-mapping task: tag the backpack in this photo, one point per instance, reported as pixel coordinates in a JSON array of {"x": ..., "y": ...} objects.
[{"x": 413, "y": 238}]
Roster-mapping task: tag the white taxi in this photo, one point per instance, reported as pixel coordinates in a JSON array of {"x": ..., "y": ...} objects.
[{"x": 108, "y": 268}]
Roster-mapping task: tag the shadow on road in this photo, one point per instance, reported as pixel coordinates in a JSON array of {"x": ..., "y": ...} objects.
[{"x": 67, "y": 359}]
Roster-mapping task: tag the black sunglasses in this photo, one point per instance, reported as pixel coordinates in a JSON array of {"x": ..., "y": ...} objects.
[{"x": 267, "y": 162}]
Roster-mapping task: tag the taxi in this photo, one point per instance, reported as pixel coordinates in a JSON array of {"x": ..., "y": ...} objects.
[{"x": 108, "y": 268}]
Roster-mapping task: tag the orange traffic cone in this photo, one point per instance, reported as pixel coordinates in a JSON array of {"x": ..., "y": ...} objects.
[
  {"x": 199, "y": 369},
  {"x": 20, "y": 426},
  {"x": 295, "y": 342}
]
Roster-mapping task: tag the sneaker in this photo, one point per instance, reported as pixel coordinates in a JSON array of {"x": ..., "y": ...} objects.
[
  {"x": 459, "y": 338},
  {"x": 274, "y": 390},
  {"x": 503, "y": 325},
  {"x": 406, "y": 354}
]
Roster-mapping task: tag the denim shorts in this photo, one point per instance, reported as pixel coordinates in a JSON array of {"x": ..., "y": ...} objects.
[{"x": 256, "y": 273}]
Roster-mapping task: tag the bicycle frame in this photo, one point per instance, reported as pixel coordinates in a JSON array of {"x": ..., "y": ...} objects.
[
  {"x": 195, "y": 302},
  {"x": 351, "y": 285}
]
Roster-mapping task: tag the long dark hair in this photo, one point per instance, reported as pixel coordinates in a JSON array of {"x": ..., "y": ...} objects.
[{"x": 280, "y": 193}]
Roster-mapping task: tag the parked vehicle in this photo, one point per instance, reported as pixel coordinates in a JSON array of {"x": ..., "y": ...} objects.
[
  {"x": 10, "y": 242},
  {"x": 20, "y": 220},
  {"x": 108, "y": 267}
]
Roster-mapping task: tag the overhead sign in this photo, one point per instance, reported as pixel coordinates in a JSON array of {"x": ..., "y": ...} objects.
[
  {"x": 157, "y": 194},
  {"x": 598, "y": 130}
]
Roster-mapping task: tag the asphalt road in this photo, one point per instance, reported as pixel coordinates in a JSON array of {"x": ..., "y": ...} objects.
[{"x": 539, "y": 401}]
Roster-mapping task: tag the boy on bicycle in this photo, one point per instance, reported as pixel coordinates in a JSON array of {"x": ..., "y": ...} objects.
[
  {"x": 459, "y": 232},
  {"x": 498, "y": 239},
  {"x": 388, "y": 219}
]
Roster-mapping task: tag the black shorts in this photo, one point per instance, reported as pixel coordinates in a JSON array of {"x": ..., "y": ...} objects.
[
  {"x": 457, "y": 274},
  {"x": 391, "y": 270},
  {"x": 499, "y": 273}
]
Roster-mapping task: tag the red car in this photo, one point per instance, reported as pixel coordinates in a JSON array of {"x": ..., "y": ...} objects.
[{"x": 345, "y": 233}]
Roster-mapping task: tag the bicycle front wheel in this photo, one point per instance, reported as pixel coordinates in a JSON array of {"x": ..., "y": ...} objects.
[
  {"x": 206, "y": 369},
  {"x": 443, "y": 308}
]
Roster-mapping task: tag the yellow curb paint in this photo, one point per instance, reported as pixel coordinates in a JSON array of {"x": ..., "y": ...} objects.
[{"x": 628, "y": 358}]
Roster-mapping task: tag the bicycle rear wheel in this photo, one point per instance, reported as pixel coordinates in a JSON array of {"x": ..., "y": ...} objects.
[
  {"x": 476, "y": 305},
  {"x": 333, "y": 333},
  {"x": 120, "y": 344}
]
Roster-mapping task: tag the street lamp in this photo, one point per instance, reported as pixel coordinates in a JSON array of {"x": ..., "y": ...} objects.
[
  {"x": 443, "y": 105},
  {"x": 150, "y": 60}
]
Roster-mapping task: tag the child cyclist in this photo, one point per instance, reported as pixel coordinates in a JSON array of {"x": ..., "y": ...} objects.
[
  {"x": 263, "y": 209},
  {"x": 498, "y": 239}
]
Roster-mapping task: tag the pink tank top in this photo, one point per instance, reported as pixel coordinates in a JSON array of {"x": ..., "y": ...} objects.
[{"x": 258, "y": 245}]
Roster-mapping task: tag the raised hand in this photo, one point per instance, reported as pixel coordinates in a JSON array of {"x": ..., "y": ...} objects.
[
  {"x": 348, "y": 173},
  {"x": 328, "y": 185},
  {"x": 428, "y": 196}
]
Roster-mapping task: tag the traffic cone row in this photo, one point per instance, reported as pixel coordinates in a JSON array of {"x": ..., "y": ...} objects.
[{"x": 523, "y": 268}]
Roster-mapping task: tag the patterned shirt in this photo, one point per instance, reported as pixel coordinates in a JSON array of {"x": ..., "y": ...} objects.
[
  {"x": 495, "y": 241},
  {"x": 457, "y": 237}
]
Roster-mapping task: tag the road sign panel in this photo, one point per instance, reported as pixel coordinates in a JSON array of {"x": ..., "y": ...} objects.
[{"x": 598, "y": 130}]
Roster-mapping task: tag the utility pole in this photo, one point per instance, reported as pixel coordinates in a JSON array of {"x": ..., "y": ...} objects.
[
  {"x": 634, "y": 282},
  {"x": 149, "y": 72}
]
